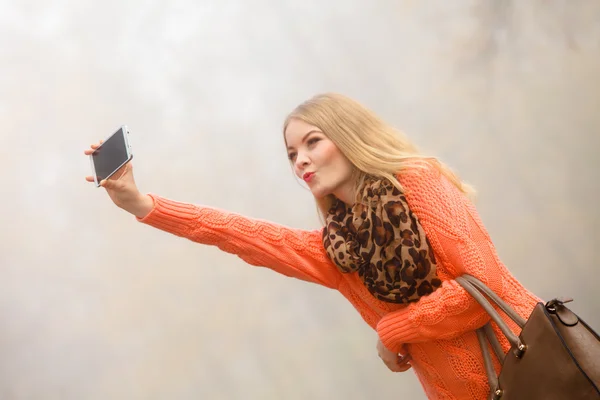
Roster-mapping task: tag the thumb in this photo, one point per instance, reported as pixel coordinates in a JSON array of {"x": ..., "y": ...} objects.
[{"x": 109, "y": 184}]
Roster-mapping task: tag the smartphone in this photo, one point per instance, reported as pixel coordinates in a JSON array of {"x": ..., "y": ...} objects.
[{"x": 112, "y": 154}]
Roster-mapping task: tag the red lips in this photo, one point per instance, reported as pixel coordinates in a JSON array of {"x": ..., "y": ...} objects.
[{"x": 308, "y": 176}]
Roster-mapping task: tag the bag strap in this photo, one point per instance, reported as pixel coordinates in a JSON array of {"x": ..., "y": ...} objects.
[
  {"x": 484, "y": 289},
  {"x": 468, "y": 283},
  {"x": 494, "y": 342},
  {"x": 487, "y": 362},
  {"x": 478, "y": 289}
]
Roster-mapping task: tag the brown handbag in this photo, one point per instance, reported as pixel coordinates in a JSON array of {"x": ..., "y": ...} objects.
[{"x": 556, "y": 355}]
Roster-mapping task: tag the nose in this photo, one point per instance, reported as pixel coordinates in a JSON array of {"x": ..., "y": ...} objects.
[{"x": 302, "y": 160}]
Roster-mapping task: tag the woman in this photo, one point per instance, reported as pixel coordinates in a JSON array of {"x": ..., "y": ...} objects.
[{"x": 399, "y": 227}]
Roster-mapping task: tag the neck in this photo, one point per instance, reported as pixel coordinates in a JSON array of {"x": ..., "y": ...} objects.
[{"x": 347, "y": 194}]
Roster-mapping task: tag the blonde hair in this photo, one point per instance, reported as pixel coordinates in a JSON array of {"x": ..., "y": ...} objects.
[{"x": 374, "y": 148}]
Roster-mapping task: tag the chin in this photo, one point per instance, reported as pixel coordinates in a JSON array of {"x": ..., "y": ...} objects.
[{"x": 320, "y": 193}]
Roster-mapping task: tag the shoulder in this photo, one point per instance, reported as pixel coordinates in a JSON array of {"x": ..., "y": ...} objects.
[
  {"x": 426, "y": 184},
  {"x": 434, "y": 198}
]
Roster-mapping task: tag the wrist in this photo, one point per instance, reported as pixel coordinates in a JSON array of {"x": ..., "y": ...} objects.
[{"x": 142, "y": 206}]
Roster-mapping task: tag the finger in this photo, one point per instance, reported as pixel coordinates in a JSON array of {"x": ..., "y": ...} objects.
[
  {"x": 403, "y": 359},
  {"x": 398, "y": 368},
  {"x": 402, "y": 368},
  {"x": 93, "y": 147},
  {"x": 107, "y": 183},
  {"x": 89, "y": 178},
  {"x": 391, "y": 366},
  {"x": 112, "y": 184},
  {"x": 403, "y": 363},
  {"x": 394, "y": 367}
]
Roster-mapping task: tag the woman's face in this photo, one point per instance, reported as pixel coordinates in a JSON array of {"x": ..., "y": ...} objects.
[{"x": 319, "y": 162}]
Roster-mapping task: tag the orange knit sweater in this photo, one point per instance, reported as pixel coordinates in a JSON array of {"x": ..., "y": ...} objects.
[{"x": 438, "y": 330}]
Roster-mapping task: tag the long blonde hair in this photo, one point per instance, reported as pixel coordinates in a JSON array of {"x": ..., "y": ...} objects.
[{"x": 374, "y": 148}]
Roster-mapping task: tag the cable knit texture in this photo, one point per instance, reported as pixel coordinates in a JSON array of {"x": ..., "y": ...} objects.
[{"x": 438, "y": 330}]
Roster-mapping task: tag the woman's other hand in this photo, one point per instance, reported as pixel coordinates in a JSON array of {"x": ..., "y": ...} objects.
[{"x": 394, "y": 362}]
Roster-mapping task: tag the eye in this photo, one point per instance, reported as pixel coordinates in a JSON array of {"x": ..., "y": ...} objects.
[
  {"x": 312, "y": 141},
  {"x": 291, "y": 156}
]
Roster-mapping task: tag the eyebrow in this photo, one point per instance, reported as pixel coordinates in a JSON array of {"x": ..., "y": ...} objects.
[{"x": 305, "y": 136}]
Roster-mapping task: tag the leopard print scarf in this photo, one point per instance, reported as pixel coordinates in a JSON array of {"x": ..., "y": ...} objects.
[{"x": 383, "y": 240}]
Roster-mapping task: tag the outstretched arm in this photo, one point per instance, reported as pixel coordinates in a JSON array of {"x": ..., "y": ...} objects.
[{"x": 291, "y": 252}]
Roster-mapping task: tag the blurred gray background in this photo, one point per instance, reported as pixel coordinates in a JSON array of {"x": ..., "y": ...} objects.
[{"x": 94, "y": 305}]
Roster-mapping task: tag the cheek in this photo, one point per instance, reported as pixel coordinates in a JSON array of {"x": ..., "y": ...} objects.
[
  {"x": 340, "y": 164},
  {"x": 329, "y": 154},
  {"x": 297, "y": 171}
]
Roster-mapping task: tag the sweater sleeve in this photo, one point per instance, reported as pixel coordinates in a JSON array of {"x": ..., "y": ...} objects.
[
  {"x": 291, "y": 252},
  {"x": 461, "y": 245}
]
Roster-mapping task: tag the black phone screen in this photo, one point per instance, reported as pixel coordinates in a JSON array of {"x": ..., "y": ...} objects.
[{"x": 111, "y": 155}]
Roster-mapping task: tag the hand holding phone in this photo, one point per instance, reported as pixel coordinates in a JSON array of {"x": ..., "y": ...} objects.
[
  {"x": 113, "y": 171},
  {"x": 111, "y": 155}
]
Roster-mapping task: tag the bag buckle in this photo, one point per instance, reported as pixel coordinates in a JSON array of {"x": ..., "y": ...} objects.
[{"x": 559, "y": 301}]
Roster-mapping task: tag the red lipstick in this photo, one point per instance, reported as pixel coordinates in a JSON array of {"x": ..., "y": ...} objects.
[{"x": 308, "y": 176}]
